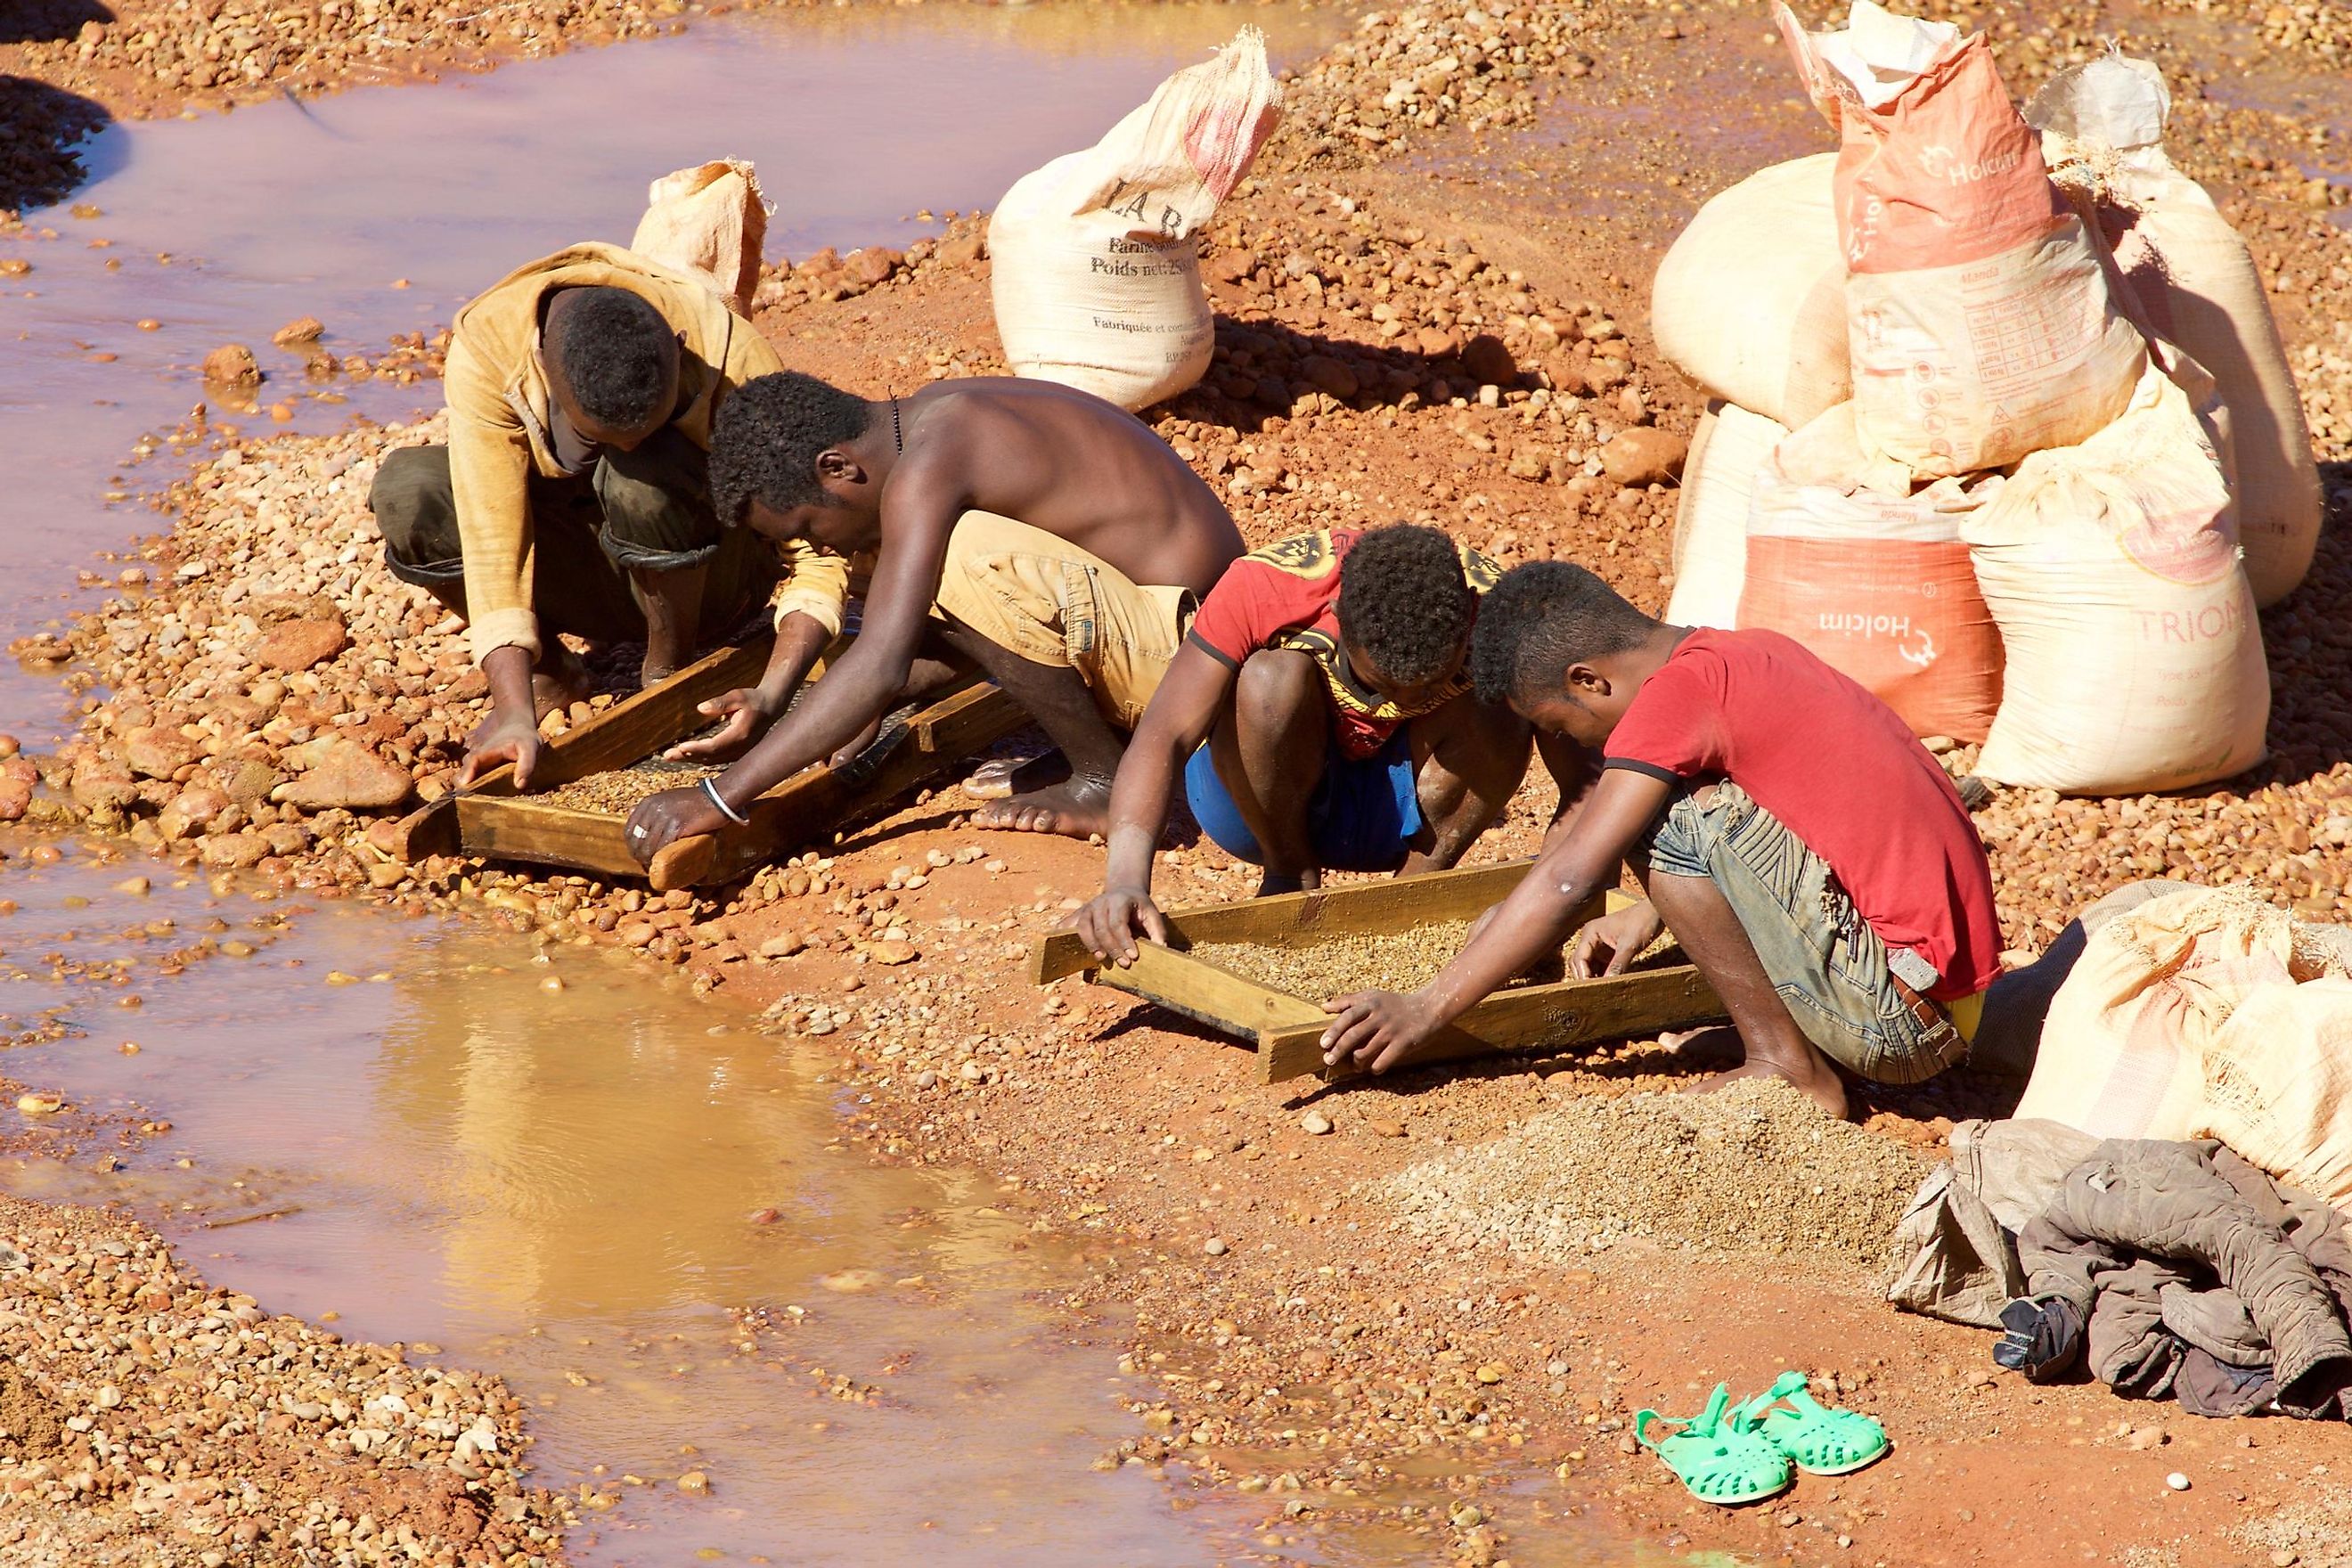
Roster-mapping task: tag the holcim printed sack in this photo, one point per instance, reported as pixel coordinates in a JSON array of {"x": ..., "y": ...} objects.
[
  {"x": 1978, "y": 321},
  {"x": 712, "y": 220},
  {"x": 2135, "y": 659},
  {"x": 2103, "y": 130},
  {"x": 1096, "y": 279},
  {"x": 2209, "y": 1014},
  {"x": 1711, "y": 525},
  {"x": 1750, "y": 301},
  {"x": 1876, "y": 582}
]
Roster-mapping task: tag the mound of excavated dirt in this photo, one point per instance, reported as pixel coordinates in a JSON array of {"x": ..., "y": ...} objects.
[{"x": 1755, "y": 1166}]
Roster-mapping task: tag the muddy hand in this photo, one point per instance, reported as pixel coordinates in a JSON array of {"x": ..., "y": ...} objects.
[
  {"x": 747, "y": 712},
  {"x": 674, "y": 813}
]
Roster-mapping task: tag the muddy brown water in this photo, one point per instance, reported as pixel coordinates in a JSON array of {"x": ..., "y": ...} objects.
[
  {"x": 639, "y": 1211},
  {"x": 621, "y": 1198}
]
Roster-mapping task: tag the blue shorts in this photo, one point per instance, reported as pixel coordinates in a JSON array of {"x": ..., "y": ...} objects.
[{"x": 1361, "y": 816}]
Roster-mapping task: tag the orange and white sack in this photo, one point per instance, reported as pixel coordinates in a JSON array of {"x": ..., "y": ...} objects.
[
  {"x": 2103, "y": 132},
  {"x": 1097, "y": 274},
  {"x": 1711, "y": 523},
  {"x": 709, "y": 220},
  {"x": 1876, "y": 582},
  {"x": 1750, "y": 300},
  {"x": 1979, "y": 322},
  {"x": 2135, "y": 658},
  {"x": 2209, "y": 1014}
]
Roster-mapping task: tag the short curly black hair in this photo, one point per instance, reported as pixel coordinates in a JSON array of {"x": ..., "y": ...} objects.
[
  {"x": 1405, "y": 603},
  {"x": 610, "y": 351},
  {"x": 766, "y": 441},
  {"x": 1540, "y": 619}
]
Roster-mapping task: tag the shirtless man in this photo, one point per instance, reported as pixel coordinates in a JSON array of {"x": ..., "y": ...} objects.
[{"x": 1074, "y": 609}]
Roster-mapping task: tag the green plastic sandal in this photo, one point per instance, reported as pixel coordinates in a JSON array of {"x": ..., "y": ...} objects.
[
  {"x": 1719, "y": 1457},
  {"x": 1820, "y": 1441}
]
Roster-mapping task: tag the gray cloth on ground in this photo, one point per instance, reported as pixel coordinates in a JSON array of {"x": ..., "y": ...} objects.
[
  {"x": 2166, "y": 1246},
  {"x": 2208, "y": 1387},
  {"x": 1958, "y": 1232}
]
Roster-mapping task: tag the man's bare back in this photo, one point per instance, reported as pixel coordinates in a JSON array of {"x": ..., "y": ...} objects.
[
  {"x": 795, "y": 459},
  {"x": 1076, "y": 467}
]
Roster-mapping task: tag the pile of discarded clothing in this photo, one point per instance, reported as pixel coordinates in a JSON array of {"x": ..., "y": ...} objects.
[
  {"x": 2170, "y": 1268},
  {"x": 2167, "y": 1208}
]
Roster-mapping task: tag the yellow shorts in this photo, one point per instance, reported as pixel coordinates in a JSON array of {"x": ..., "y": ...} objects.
[{"x": 1054, "y": 603}]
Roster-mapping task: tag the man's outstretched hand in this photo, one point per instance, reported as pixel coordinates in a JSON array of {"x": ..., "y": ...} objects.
[
  {"x": 1377, "y": 1030},
  {"x": 748, "y": 712},
  {"x": 1109, "y": 925}
]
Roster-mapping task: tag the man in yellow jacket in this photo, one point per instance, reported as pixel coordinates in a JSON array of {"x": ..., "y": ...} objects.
[{"x": 574, "y": 494}]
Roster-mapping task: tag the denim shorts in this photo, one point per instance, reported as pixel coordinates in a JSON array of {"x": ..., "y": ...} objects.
[{"x": 1828, "y": 966}]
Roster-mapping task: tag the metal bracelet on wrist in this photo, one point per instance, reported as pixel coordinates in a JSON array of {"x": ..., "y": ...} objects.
[{"x": 711, "y": 790}]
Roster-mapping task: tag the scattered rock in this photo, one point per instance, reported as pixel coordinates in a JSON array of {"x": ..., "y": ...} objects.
[
  {"x": 1488, "y": 361},
  {"x": 299, "y": 331},
  {"x": 343, "y": 773},
  {"x": 872, "y": 265},
  {"x": 157, "y": 752},
  {"x": 296, "y": 645},
  {"x": 231, "y": 365},
  {"x": 234, "y": 852},
  {"x": 1330, "y": 376},
  {"x": 1643, "y": 457},
  {"x": 1314, "y": 1123}
]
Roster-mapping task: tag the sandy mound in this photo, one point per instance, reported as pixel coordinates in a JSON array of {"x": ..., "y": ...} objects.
[{"x": 1753, "y": 1168}]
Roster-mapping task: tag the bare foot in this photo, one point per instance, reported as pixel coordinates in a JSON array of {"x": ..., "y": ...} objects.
[
  {"x": 1822, "y": 1089},
  {"x": 560, "y": 680},
  {"x": 1078, "y": 809},
  {"x": 1718, "y": 1041},
  {"x": 1002, "y": 777}
]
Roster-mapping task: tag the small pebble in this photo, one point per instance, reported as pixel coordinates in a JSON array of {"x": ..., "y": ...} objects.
[
  {"x": 2177, "y": 1482},
  {"x": 1215, "y": 1246},
  {"x": 1314, "y": 1123}
]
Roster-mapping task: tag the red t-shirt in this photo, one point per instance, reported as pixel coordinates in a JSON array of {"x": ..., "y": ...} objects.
[
  {"x": 1287, "y": 595},
  {"x": 1842, "y": 772}
]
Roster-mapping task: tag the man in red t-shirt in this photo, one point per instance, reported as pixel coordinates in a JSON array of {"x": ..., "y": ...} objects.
[
  {"x": 1319, "y": 718},
  {"x": 1812, "y": 859}
]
